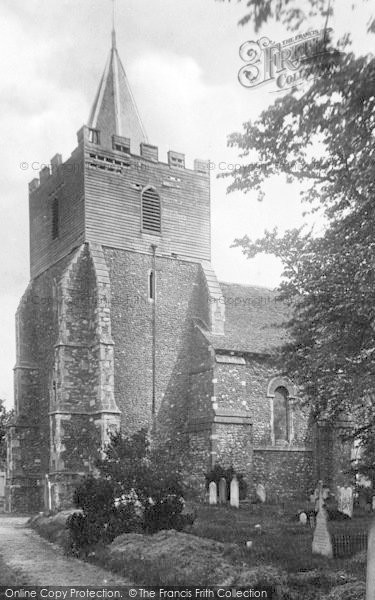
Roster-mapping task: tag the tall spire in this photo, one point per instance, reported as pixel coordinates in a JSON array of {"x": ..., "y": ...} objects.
[{"x": 114, "y": 110}]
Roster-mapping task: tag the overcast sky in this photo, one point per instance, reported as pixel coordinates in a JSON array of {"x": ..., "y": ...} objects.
[{"x": 181, "y": 57}]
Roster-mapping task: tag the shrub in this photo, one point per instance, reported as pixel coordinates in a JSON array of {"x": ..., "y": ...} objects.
[
  {"x": 228, "y": 473},
  {"x": 137, "y": 489},
  {"x": 165, "y": 513}
]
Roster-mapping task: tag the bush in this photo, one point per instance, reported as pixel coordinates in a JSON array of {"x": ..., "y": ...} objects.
[
  {"x": 164, "y": 514},
  {"x": 137, "y": 489},
  {"x": 218, "y": 472}
]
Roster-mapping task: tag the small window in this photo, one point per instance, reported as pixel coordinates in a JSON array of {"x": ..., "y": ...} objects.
[
  {"x": 281, "y": 415},
  {"x": 55, "y": 219},
  {"x": 94, "y": 136},
  {"x": 151, "y": 211},
  {"x": 151, "y": 285}
]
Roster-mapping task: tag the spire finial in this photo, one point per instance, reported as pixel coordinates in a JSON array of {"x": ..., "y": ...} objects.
[{"x": 113, "y": 23}]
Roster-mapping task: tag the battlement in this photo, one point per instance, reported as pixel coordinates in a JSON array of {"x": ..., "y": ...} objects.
[{"x": 91, "y": 138}]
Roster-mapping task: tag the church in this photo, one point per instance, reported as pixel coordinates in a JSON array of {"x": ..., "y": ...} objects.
[{"x": 125, "y": 324}]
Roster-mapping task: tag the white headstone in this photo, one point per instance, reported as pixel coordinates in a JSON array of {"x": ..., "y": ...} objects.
[
  {"x": 261, "y": 492},
  {"x": 303, "y": 518},
  {"x": 322, "y": 543},
  {"x": 234, "y": 493},
  {"x": 347, "y": 503},
  {"x": 340, "y": 498},
  {"x": 223, "y": 490},
  {"x": 370, "y": 574},
  {"x": 212, "y": 491}
]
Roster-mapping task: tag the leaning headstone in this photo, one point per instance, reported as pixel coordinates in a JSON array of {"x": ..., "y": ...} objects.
[
  {"x": 223, "y": 490},
  {"x": 212, "y": 490},
  {"x": 322, "y": 543},
  {"x": 303, "y": 518},
  {"x": 370, "y": 574},
  {"x": 347, "y": 505},
  {"x": 234, "y": 493},
  {"x": 261, "y": 493}
]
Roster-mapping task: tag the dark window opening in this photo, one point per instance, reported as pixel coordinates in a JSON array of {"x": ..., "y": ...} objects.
[
  {"x": 281, "y": 415},
  {"x": 151, "y": 285},
  {"x": 55, "y": 219},
  {"x": 121, "y": 148},
  {"x": 151, "y": 211}
]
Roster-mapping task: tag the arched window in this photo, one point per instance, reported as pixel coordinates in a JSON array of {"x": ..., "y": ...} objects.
[
  {"x": 151, "y": 211},
  {"x": 281, "y": 415},
  {"x": 282, "y": 395}
]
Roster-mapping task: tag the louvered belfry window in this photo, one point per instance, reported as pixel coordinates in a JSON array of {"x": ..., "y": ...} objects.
[{"x": 151, "y": 211}]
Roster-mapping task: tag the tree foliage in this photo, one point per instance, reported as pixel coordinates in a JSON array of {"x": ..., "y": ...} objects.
[
  {"x": 136, "y": 488},
  {"x": 292, "y": 13},
  {"x": 323, "y": 139},
  {"x": 5, "y": 416}
]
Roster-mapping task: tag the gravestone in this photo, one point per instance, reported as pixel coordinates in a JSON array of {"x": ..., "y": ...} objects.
[
  {"x": 316, "y": 498},
  {"x": 303, "y": 518},
  {"x": 234, "y": 493},
  {"x": 212, "y": 491},
  {"x": 362, "y": 499},
  {"x": 261, "y": 492},
  {"x": 340, "y": 498},
  {"x": 223, "y": 491},
  {"x": 347, "y": 503},
  {"x": 373, "y": 503},
  {"x": 370, "y": 573},
  {"x": 322, "y": 543},
  {"x": 325, "y": 493}
]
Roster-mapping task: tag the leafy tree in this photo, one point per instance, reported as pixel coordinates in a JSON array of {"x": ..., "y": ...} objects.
[
  {"x": 131, "y": 464},
  {"x": 323, "y": 139},
  {"x": 5, "y": 416}
]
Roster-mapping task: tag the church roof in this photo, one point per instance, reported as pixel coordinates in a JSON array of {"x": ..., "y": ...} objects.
[
  {"x": 253, "y": 319},
  {"x": 114, "y": 110}
]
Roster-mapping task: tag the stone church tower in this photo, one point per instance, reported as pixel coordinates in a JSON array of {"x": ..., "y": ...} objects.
[
  {"x": 120, "y": 265},
  {"x": 125, "y": 324}
]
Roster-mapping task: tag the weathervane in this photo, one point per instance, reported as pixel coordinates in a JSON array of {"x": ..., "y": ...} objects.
[{"x": 113, "y": 23}]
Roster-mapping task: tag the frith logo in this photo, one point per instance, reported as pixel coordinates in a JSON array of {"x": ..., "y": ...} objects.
[{"x": 288, "y": 63}]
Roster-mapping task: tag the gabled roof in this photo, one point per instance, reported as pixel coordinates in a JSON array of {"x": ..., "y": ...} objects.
[
  {"x": 114, "y": 110},
  {"x": 253, "y": 316}
]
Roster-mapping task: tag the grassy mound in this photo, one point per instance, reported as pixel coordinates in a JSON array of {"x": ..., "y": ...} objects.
[{"x": 52, "y": 527}]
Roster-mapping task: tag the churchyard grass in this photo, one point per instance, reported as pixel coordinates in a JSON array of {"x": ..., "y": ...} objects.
[
  {"x": 280, "y": 543},
  {"x": 282, "y": 540}
]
